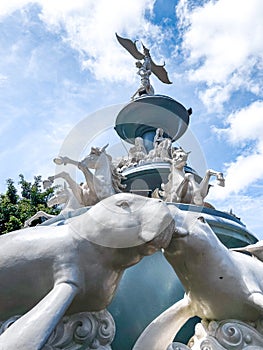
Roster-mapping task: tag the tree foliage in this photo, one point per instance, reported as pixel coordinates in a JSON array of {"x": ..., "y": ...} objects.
[{"x": 16, "y": 208}]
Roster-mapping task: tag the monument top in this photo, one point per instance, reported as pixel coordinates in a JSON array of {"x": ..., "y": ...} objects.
[{"x": 131, "y": 47}]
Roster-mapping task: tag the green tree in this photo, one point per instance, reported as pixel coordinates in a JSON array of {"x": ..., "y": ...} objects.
[
  {"x": 15, "y": 209},
  {"x": 11, "y": 192},
  {"x": 25, "y": 187}
]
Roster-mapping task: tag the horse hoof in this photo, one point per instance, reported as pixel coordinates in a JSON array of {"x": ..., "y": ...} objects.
[
  {"x": 58, "y": 161},
  {"x": 221, "y": 182}
]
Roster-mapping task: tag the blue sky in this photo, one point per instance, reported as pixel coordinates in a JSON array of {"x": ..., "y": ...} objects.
[{"x": 61, "y": 63}]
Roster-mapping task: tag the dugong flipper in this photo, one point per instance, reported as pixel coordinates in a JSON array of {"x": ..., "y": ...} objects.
[
  {"x": 34, "y": 328},
  {"x": 159, "y": 334}
]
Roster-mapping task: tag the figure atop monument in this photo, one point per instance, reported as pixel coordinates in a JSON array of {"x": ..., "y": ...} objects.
[{"x": 144, "y": 69}]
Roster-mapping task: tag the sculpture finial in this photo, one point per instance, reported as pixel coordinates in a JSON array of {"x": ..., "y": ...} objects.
[{"x": 145, "y": 68}]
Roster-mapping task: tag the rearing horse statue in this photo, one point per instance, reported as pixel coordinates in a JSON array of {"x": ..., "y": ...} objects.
[
  {"x": 182, "y": 187},
  {"x": 104, "y": 182},
  {"x": 62, "y": 196}
]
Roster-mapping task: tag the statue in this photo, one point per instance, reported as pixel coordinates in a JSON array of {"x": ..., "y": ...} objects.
[
  {"x": 182, "y": 187},
  {"x": 219, "y": 283},
  {"x": 145, "y": 68},
  {"x": 145, "y": 88},
  {"x": 62, "y": 196},
  {"x": 161, "y": 151},
  {"x": 137, "y": 153},
  {"x": 76, "y": 266},
  {"x": 39, "y": 215},
  {"x": 105, "y": 181},
  {"x": 66, "y": 197},
  {"x": 158, "y": 138},
  {"x": 224, "y": 335}
]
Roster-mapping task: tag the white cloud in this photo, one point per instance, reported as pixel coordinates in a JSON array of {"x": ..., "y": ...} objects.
[
  {"x": 248, "y": 208},
  {"x": 90, "y": 30},
  {"x": 244, "y": 129},
  {"x": 3, "y": 79},
  {"x": 87, "y": 27},
  {"x": 245, "y": 124},
  {"x": 222, "y": 39},
  {"x": 8, "y": 6}
]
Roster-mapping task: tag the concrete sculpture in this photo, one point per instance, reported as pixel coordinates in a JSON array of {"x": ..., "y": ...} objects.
[
  {"x": 220, "y": 284},
  {"x": 76, "y": 266},
  {"x": 224, "y": 335},
  {"x": 63, "y": 196},
  {"x": 105, "y": 181},
  {"x": 182, "y": 187},
  {"x": 162, "y": 148},
  {"x": 144, "y": 69},
  {"x": 136, "y": 155}
]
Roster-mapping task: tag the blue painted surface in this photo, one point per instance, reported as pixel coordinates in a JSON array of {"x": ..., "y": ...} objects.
[
  {"x": 148, "y": 138},
  {"x": 148, "y": 113},
  {"x": 144, "y": 292}
]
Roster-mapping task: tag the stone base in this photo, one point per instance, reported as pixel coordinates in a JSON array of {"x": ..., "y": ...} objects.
[
  {"x": 224, "y": 335},
  {"x": 85, "y": 331}
]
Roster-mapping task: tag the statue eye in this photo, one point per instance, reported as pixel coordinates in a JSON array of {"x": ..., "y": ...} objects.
[
  {"x": 202, "y": 219},
  {"x": 123, "y": 204}
]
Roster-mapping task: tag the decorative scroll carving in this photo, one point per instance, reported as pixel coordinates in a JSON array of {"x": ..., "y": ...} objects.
[
  {"x": 177, "y": 346},
  {"x": 5, "y": 324},
  {"x": 224, "y": 335},
  {"x": 84, "y": 330}
]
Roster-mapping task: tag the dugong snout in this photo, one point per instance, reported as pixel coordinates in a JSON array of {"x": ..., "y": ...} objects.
[
  {"x": 164, "y": 226},
  {"x": 164, "y": 238}
]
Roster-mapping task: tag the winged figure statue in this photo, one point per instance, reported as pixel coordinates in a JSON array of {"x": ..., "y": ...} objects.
[{"x": 145, "y": 68}]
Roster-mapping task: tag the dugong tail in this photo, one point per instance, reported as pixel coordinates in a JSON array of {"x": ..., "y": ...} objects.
[{"x": 159, "y": 334}]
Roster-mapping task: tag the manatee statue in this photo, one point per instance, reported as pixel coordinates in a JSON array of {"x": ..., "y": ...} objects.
[
  {"x": 219, "y": 283},
  {"x": 47, "y": 271}
]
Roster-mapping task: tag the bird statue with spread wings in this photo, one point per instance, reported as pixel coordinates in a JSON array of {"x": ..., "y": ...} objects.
[{"x": 144, "y": 69}]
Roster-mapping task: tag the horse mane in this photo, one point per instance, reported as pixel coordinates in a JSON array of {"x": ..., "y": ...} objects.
[{"x": 117, "y": 177}]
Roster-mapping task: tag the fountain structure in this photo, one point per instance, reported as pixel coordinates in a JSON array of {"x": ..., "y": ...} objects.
[
  {"x": 153, "y": 124},
  {"x": 156, "y": 166}
]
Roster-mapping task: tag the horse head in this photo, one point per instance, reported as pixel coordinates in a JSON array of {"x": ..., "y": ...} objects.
[
  {"x": 179, "y": 157},
  {"x": 96, "y": 158}
]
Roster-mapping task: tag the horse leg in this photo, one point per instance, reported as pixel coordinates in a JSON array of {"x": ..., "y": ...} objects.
[
  {"x": 75, "y": 187},
  {"x": 219, "y": 176},
  {"x": 89, "y": 177},
  {"x": 195, "y": 191},
  {"x": 81, "y": 165},
  {"x": 38, "y": 215},
  {"x": 65, "y": 160},
  {"x": 220, "y": 179},
  {"x": 204, "y": 184}
]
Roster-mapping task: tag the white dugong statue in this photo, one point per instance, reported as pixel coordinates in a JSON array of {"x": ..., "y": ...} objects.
[
  {"x": 219, "y": 283},
  {"x": 46, "y": 271}
]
